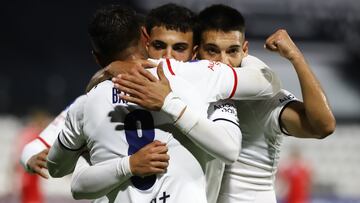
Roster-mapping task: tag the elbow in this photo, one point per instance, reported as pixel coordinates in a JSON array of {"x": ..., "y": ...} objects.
[
  {"x": 231, "y": 155},
  {"x": 326, "y": 129},
  {"x": 77, "y": 191}
]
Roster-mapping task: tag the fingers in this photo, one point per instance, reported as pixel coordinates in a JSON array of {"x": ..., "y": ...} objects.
[
  {"x": 160, "y": 72},
  {"x": 148, "y": 75},
  {"x": 147, "y": 64},
  {"x": 40, "y": 172},
  {"x": 271, "y": 43}
]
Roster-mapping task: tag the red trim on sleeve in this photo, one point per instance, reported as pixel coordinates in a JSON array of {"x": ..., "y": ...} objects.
[
  {"x": 44, "y": 142},
  {"x": 235, "y": 82},
  {"x": 169, "y": 66}
]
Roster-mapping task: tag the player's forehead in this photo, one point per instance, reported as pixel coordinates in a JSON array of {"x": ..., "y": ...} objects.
[
  {"x": 221, "y": 38},
  {"x": 161, "y": 33}
]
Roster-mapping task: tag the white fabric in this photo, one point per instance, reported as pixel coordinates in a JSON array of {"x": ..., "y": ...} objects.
[
  {"x": 256, "y": 165},
  {"x": 101, "y": 128}
]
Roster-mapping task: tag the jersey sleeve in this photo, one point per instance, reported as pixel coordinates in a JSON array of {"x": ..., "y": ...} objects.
[
  {"x": 255, "y": 81},
  {"x": 220, "y": 139},
  {"x": 67, "y": 148},
  {"x": 274, "y": 108},
  {"x": 71, "y": 135},
  {"x": 90, "y": 182}
]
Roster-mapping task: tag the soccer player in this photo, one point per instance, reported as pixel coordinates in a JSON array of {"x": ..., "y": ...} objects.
[
  {"x": 171, "y": 32},
  {"x": 263, "y": 123},
  {"x": 76, "y": 132}
]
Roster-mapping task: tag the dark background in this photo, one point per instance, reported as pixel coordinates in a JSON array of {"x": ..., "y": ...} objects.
[{"x": 46, "y": 57}]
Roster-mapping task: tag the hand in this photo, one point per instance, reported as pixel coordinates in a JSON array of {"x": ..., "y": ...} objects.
[
  {"x": 37, "y": 162},
  {"x": 281, "y": 42},
  {"x": 149, "y": 160},
  {"x": 144, "y": 89},
  {"x": 128, "y": 67}
]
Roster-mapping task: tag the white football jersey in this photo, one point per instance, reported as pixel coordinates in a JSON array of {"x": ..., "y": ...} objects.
[
  {"x": 112, "y": 128},
  {"x": 256, "y": 165}
]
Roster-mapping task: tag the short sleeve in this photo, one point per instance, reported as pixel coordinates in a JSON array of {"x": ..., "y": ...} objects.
[
  {"x": 274, "y": 108},
  {"x": 223, "y": 110},
  {"x": 71, "y": 136}
]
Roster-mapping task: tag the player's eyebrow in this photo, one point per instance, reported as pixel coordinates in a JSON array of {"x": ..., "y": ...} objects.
[
  {"x": 181, "y": 44},
  {"x": 235, "y": 46},
  {"x": 158, "y": 42},
  {"x": 210, "y": 45}
]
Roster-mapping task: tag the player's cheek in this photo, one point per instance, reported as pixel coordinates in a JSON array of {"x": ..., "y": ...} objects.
[{"x": 156, "y": 54}]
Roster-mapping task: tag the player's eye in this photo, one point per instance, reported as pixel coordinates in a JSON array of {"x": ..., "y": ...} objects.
[
  {"x": 158, "y": 45},
  {"x": 180, "y": 47},
  {"x": 212, "y": 50},
  {"x": 233, "y": 51}
]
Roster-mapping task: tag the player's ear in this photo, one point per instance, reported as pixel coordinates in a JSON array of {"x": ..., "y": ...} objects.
[
  {"x": 195, "y": 52},
  {"x": 145, "y": 36},
  {"x": 144, "y": 33},
  {"x": 96, "y": 57},
  {"x": 245, "y": 47}
]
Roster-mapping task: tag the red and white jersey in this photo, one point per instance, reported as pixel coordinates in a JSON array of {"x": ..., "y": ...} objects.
[
  {"x": 45, "y": 139},
  {"x": 256, "y": 165}
]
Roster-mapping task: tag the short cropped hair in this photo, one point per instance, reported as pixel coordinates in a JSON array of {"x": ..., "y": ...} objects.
[
  {"x": 113, "y": 29},
  {"x": 171, "y": 16},
  {"x": 220, "y": 18}
]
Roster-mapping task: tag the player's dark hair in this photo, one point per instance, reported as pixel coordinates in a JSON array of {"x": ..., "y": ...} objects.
[
  {"x": 171, "y": 16},
  {"x": 113, "y": 29},
  {"x": 220, "y": 18}
]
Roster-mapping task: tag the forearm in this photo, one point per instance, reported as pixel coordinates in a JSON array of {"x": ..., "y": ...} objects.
[
  {"x": 316, "y": 107},
  {"x": 220, "y": 139},
  {"x": 90, "y": 182}
]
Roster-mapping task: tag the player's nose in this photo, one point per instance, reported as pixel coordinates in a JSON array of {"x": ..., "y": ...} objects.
[
  {"x": 168, "y": 53},
  {"x": 224, "y": 58}
]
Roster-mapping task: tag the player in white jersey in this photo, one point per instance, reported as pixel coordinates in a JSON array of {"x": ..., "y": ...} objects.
[
  {"x": 215, "y": 74},
  {"x": 263, "y": 123}
]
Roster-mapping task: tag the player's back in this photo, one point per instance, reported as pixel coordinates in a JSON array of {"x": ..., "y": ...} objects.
[{"x": 113, "y": 128}]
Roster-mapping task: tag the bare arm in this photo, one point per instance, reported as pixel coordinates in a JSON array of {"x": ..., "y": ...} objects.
[{"x": 313, "y": 117}]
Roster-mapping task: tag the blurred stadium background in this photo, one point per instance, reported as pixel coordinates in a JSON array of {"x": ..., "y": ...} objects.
[{"x": 46, "y": 63}]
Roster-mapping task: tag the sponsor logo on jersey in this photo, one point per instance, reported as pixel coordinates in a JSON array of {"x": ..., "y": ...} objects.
[
  {"x": 116, "y": 97},
  {"x": 225, "y": 107},
  {"x": 287, "y": 98}
]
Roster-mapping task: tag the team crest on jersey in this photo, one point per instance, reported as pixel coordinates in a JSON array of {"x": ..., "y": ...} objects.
[{"x": 213, "y": 64}]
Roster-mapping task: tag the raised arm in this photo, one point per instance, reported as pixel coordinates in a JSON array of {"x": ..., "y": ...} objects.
[{"x": 313, "y": 117}]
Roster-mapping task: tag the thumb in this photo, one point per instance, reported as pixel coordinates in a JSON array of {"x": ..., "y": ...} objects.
[{"x": 160, "y": 72}]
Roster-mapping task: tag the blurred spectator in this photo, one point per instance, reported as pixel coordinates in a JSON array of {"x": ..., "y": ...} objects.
[
  {"x": 28, "y": 185},
  {"x": 295, "y": 177}
]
